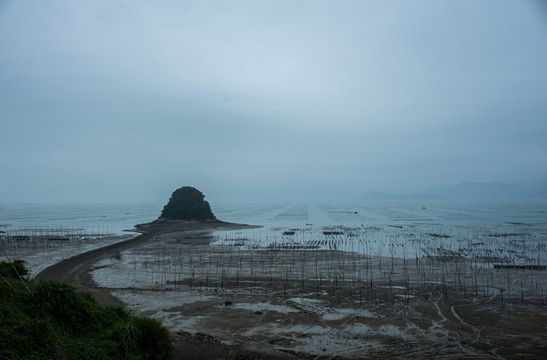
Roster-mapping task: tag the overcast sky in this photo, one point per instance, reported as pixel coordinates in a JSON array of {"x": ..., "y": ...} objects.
[{"x": 129, "y": 100}]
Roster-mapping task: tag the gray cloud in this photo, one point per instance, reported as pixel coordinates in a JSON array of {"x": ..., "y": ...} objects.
[{"x": 125, "y": 101}]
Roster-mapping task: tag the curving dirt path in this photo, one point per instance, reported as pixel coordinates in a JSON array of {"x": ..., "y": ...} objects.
[
  {"x": 187, "y": 346},
  {"x": 73, "y": 268},
  {"x": 268, "y": 318}
]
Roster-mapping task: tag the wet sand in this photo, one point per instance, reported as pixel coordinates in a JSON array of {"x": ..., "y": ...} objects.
[
  {"x": 187, "y": 345},
  {"x": 267, "y": 313}
]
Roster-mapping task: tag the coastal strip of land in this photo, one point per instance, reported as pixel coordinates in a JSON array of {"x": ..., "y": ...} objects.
[
  {"x": 283, "y": 302},
  {"x": 74, "y": 269}
]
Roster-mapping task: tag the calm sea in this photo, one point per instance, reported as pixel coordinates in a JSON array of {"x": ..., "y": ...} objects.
[
  {"x": 89, "y": 218},
  {"x": 114, "y": 218}
]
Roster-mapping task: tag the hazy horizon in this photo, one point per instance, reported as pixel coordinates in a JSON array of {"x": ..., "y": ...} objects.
[{"x": 113, "y": 101}]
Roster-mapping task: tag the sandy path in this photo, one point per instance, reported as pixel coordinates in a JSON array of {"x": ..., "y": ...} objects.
[
  {"x": 73, "y": 268},
  {"x": 187, "y": 346},
  {"x": 279, "y": 318}
]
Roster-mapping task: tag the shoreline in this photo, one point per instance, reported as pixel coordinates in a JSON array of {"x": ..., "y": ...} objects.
[
  {"x": 265, "y": 315},
  {"x": 294, "y": 302},
  {"x": 75, "y": 269}
]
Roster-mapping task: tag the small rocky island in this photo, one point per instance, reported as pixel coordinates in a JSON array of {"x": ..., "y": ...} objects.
[{"x": 187, "y": 203}]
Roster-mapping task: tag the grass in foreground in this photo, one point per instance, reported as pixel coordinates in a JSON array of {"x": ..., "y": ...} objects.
[{"x": 52, "y": 320}]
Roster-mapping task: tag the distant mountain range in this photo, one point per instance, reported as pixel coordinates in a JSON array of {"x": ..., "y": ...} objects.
[{"x": 467, "y": 190}]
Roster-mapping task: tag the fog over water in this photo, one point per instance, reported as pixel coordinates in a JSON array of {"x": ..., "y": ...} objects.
[{"x": 114, "y": 101}]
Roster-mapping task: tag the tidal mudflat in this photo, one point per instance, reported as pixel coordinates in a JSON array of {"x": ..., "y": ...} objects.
[{"x": 358, "y": 281}]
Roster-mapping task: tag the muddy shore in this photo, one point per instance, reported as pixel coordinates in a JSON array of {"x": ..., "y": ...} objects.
[
  {"x": 187, "y": 345},
  {"x": 231, "y": 314}
]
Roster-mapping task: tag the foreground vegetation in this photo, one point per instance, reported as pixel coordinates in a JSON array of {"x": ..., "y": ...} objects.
[{"x": 51, "y": 320}]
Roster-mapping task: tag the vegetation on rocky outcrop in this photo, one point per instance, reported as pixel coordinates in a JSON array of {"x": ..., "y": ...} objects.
[{"x": 187, "y": 203}]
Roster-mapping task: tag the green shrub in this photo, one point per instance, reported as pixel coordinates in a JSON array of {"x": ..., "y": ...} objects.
[
  {"x": 57, "y": 322},
  {"x": 109, "y": 316},
  {"x": 86, "y": 348},
  {"x": 64, "y": 303},
  {"x": 127, "y": 335},
  {"x": 27, "y": 337},
  {"x": 155, "y": 342},
  {"x": 11, "y": 269}
]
